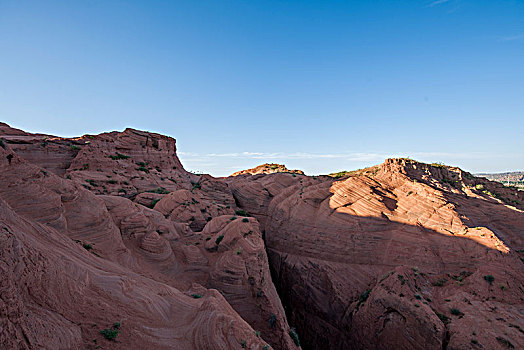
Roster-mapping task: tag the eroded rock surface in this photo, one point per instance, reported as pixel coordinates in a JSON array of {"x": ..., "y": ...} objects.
[
  {"x": 110, "y": 232},
  {"x": 402, "y": 255},
  {"x": 81, "y": 256}
]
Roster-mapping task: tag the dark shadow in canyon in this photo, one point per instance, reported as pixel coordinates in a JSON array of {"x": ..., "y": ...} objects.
[{"x": 296, "y": 252}]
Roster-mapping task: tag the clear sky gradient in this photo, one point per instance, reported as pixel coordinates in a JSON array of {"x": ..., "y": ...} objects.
[{"x": 321, "y": 86}]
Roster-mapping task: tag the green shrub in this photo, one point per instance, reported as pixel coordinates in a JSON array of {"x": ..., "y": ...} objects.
[
  {"x": 160, "y": 190},
  {"x": 87, "y": 246},
  {"x": 440, "y": 282},
  {"x": 505, "y": 342},
  {"x": 111, "y": 333},
  {"x": 196, "y": 185},
  {"x": 363, "y": 297},
  {"x": 489, "y": 279},
  {"x": 442, "y": 317},
  {"x": 455, "y": 311},
  {"x": 92, "y": 182},
  {"x": 272, "y": 321},
  {"x": 196, "y": 296},
  {"x": 75, "y": 148},
  {"x": 339, "y": 174},
  {"x": 241, "y": 212},
  {"x": 219, "y": 239},
  {"x": 293, "y": 334},
  {"x": 142, "y": 168},
  {"x": 245, "y": 220},
  {"x": 119, "y": 156},
  {"x": 153, "y": 203}
]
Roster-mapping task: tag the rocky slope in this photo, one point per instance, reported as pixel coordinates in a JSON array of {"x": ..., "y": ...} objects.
[
  {"x": 109, "y": 233},
  {"x": 79, "y": 256},
  {"x": 401, "y": 255}
]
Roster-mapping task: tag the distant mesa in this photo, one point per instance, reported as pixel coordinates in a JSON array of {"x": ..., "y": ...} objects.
[
  {"x": 515, "y": 178},
  {"x": 268, "y": 168}
]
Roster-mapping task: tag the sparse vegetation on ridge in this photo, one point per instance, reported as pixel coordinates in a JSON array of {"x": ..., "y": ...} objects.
[
  {"x": 119, "y": 156},
  {"x": 111, "y": 333},
  {"x": 489, "y": 279},
  {"x": 294, "y": 336}
]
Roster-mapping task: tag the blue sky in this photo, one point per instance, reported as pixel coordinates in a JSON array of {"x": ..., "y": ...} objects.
[{"x": 321, "y": 86}]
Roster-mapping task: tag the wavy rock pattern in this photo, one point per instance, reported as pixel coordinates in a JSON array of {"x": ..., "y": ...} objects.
[
  {"x": 110, "y": 228},
  {"x": 79, "y": 256},
  {"x": 428, "y": 229}
]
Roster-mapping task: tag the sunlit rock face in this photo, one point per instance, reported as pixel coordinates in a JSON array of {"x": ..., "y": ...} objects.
[
  {"x": 379, "y": 258},
  {"x": 110, "y": 232}
]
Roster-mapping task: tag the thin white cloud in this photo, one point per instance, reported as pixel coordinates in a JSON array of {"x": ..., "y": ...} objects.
[
  {"x": 511, "y": 38},
  {"x": 352, "y": 156},
  {"x": 223, "y": 164},
  {"x": 281, "y": 155},
  {"x": 438, "y": 2}
]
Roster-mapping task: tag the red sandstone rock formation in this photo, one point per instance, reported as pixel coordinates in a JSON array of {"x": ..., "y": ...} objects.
[
  {"x": 401, "y": 255},
  {"x": 268, "y": 168},
  {"x": 110, "y": 228},
  {"x": 79, "y": 256}
]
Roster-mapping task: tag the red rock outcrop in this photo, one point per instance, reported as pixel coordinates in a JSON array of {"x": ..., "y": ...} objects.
[
  {"x": 401, "y": 255},
  {"x": 110, "y": 232},
  {"x": 78, "y": 258},
  {"x": 57, "y": 294},
  {"x": 268, "y": 168}
]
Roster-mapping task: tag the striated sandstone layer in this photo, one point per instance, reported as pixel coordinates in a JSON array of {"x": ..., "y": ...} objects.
[
  {"x": 111, "y": 228},
  {"x": 80, "y": 255},
  {"x": 402, "y": 255}
]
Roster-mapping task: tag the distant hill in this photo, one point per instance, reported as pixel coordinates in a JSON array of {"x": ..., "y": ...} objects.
[
  {"x": 515, "y": 178},
  {"x": 267, "y": 169}
]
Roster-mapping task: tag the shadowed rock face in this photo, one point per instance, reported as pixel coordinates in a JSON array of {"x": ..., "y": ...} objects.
[
  {"x": 380, "y": 258},
  {"x": 78, "y": 256},
  {"x": 110, "y": 228}
]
